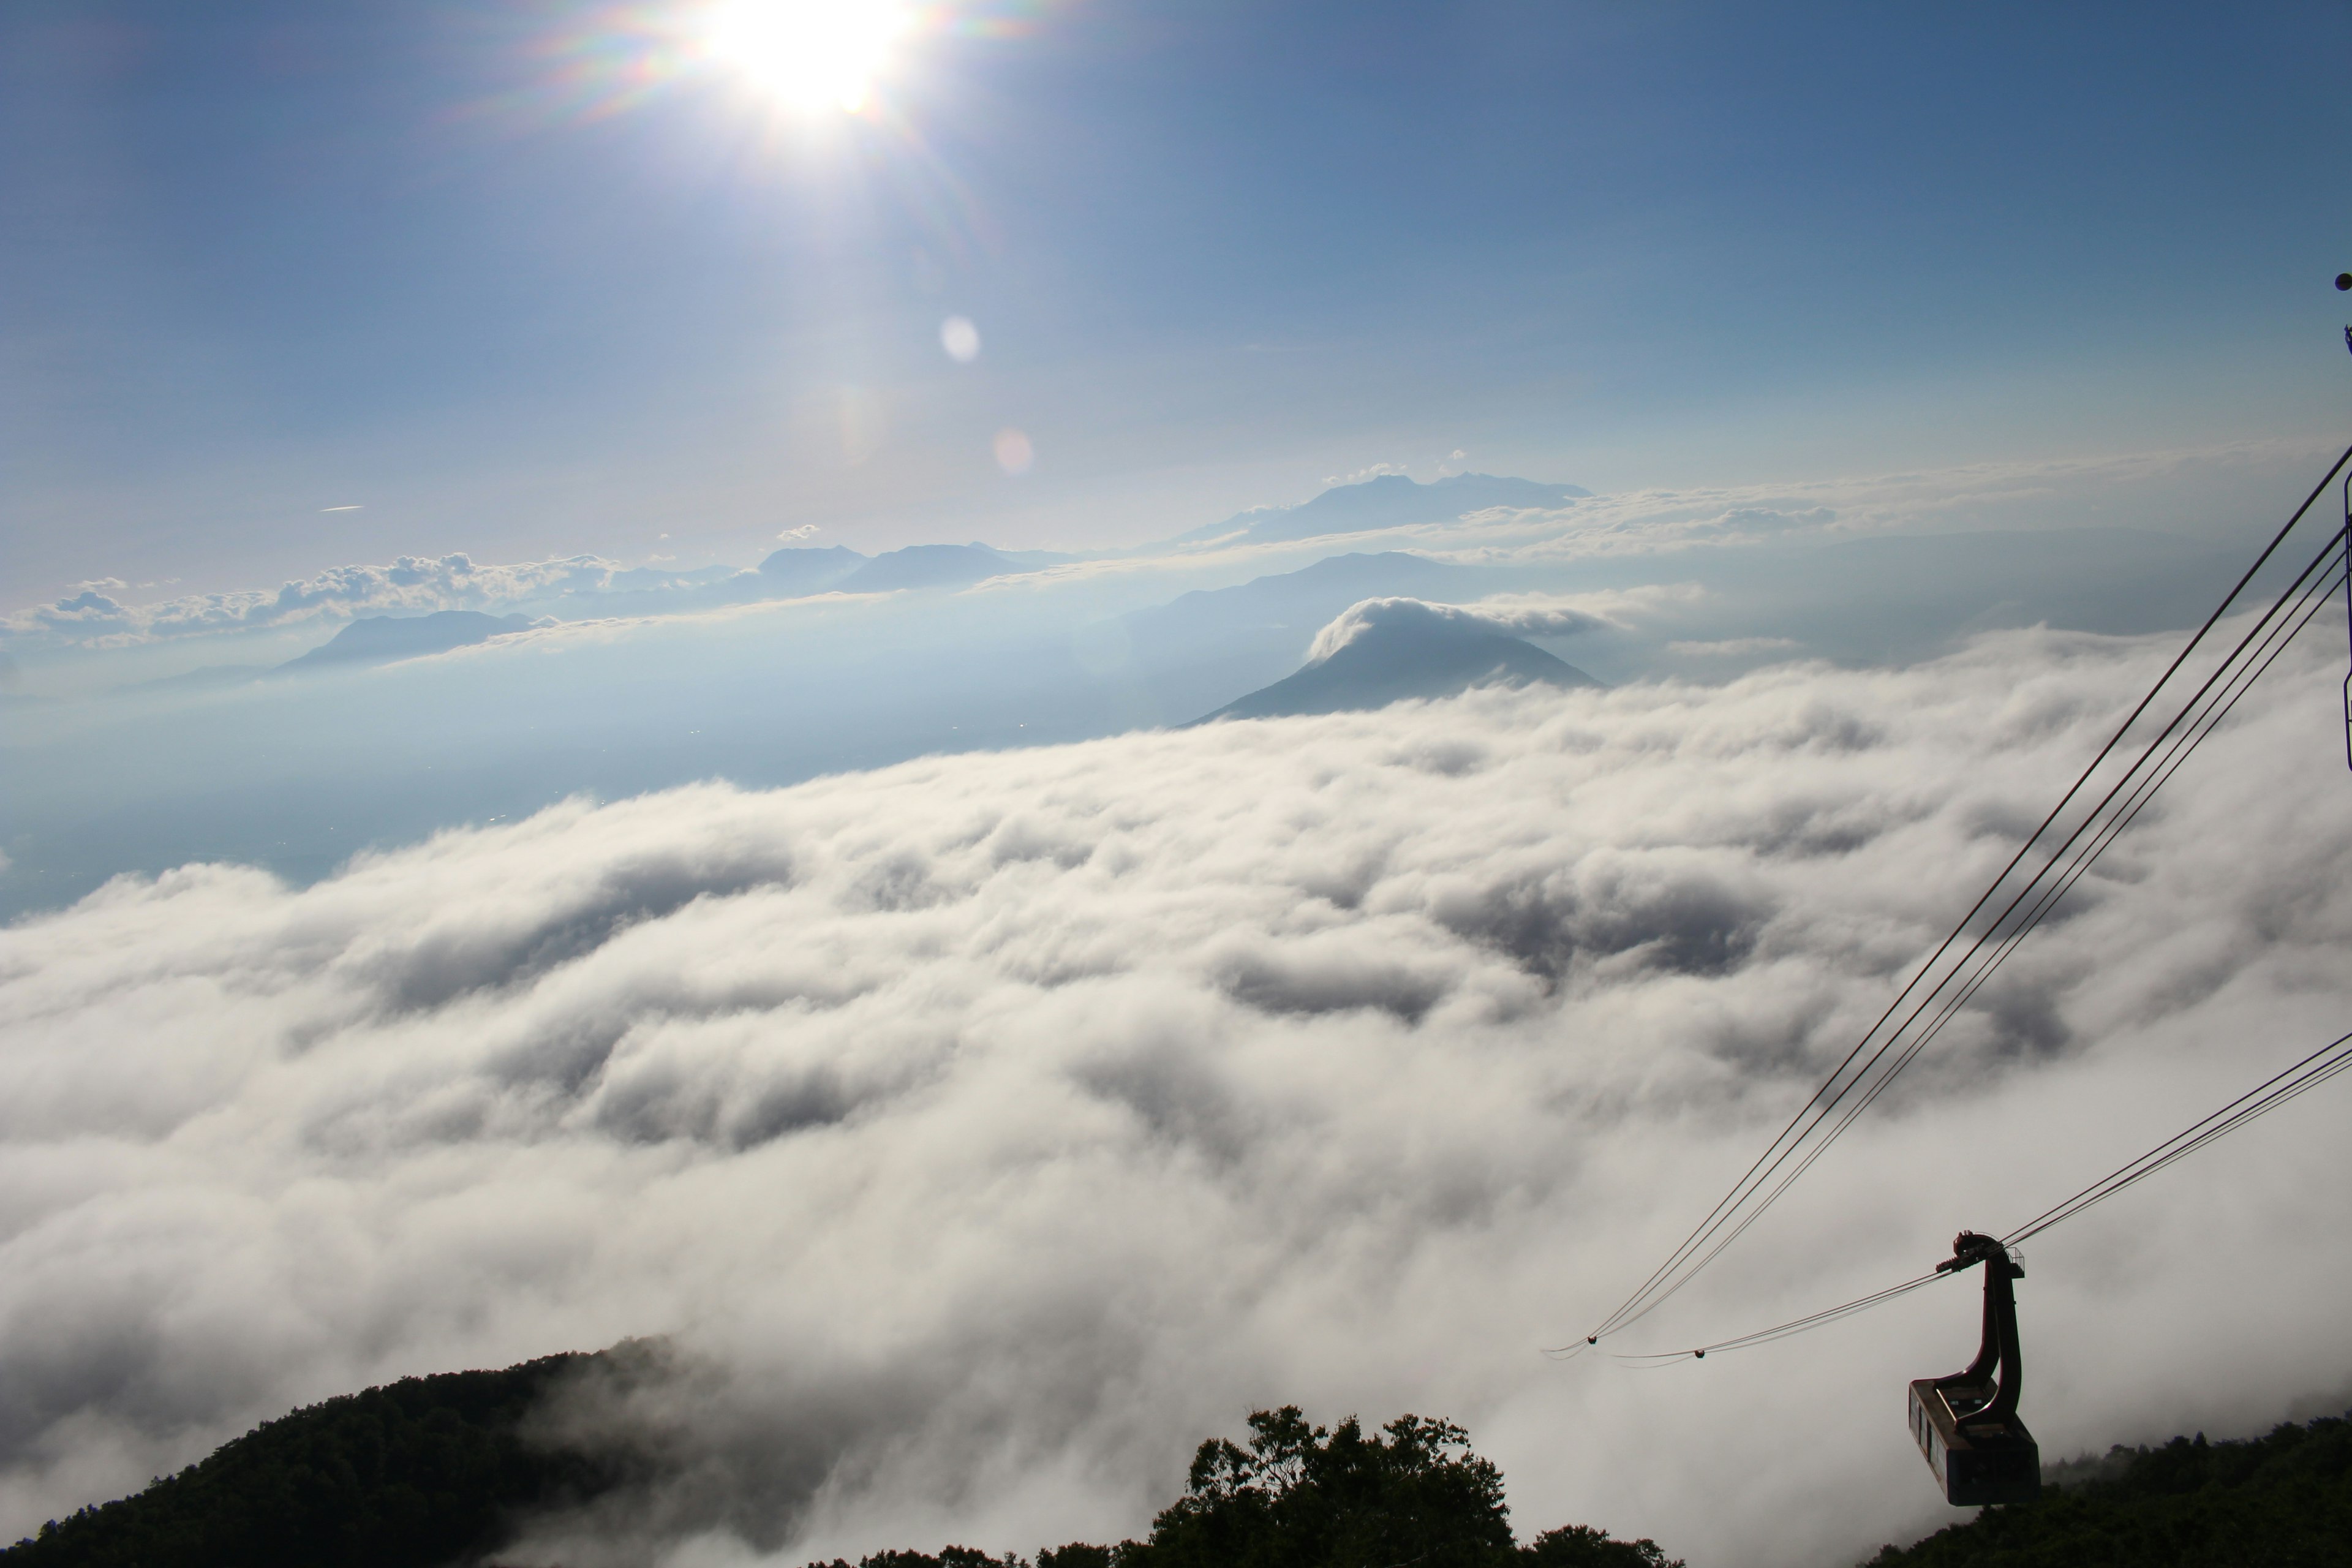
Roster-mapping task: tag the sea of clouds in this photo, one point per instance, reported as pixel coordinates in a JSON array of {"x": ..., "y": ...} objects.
[
  {"x": 141, "y": 736},
  {"x": 983, "y": 1132}
]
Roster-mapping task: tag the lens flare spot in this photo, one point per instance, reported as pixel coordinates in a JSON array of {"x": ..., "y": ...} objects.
[
  {"x": 1013, "y": 452},
  {"x": 960, "y": 339},
  {"x": 810, "y": 54}
]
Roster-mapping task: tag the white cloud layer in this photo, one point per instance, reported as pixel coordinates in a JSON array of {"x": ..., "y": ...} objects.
[{"x": 1000, "y": 1125}]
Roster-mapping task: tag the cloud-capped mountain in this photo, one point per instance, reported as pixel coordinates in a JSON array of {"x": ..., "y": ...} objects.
[
  {"x": 1387, "y": 651},
  {"x": 380, "y": 639},
  {"x": 1392, "y": 501}
]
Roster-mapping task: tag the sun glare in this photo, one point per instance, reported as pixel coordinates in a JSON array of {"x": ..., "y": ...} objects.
[{"x": 812, "y": 55}]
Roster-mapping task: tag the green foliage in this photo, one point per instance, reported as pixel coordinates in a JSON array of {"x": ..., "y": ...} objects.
[
  {"x": 424, "y": 1472},
  {"x": 1580, "y": 1546},
  {"x": 1302, "y": 1497},
  {"x": 434, "y": 1472},
  {"x": 437, "y": 1472},
  {"x": 948, "y": 1557},
  {"x": 2279, "y": 1501}
]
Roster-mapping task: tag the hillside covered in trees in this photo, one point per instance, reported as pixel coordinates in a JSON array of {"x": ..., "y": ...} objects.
[
  {"x": 420, "y": 1473},
  {"x": 442, "y": 1472},
  {"x": 433, "y": 1472},
  {"x": 1301, "y": 1497},
  {"x": 2279, "y": 1501}
]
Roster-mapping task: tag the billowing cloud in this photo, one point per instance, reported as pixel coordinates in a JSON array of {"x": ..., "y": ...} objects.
[
  {"x": 1517, "y": 617},
  {"x": 985, "y": 1131},
  {"x": 409, "y": 586}
]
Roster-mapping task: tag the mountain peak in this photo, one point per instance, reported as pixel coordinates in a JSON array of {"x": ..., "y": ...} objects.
[{"x": 1389, "y": 650}]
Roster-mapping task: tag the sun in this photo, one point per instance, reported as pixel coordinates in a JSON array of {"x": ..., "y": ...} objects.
[{"x": 812, "y": 55}]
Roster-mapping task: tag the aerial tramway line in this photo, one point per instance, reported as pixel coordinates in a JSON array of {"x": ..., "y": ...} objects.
[{"x": 1966, "y": 1424}]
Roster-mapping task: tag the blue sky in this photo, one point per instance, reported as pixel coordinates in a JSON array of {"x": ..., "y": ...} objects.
[{"x": 266, "y": 259}]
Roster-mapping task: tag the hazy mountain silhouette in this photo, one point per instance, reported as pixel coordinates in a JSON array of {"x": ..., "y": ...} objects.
[
  {"x": 928, "y": 566},
  {"x": 805, "y": 569},
  {"x": 1392, "y": 501},
  {"x": 204, "y": 678},
  {"x": 380, "y": 639},
  {"x": 1408, "y": 650}
]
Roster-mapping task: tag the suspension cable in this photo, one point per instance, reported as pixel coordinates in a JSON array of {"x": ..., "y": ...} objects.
[
  {"x": 1740, "y": 1207},
  {"x": 2263, "y": 1098},
  {"x": 2309, "y": 601},
  {"x": 2288, "y": 1083}
]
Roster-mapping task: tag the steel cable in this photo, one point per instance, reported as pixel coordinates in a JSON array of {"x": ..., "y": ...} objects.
[
  {"x": 2308, "y": 601},
  {"x": 2287, "y": 1084},
  {"x": 1705, "y": 1242},
  {"x": 2263, "y": 1098}
]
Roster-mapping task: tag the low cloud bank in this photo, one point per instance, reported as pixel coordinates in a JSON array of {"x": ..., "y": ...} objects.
[{"x": 986, "y": 1131}]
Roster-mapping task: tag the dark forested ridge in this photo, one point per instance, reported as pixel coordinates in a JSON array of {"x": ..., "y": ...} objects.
[
  {"x": 439, "y": 1472},
  {"x": 2279, "y": 1501},
  {"x": 422, "y": 1473},
  {"x": 1302, "y": 1497}
]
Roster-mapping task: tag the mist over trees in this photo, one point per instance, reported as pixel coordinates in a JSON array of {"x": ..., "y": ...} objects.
[
  {"x": 433, "y": 1472},
  {"x": 1412, "y": 1492},
  {"x": 422, "y": 1472},
  {"x": 447, "y": 1471},
  {"x": 2284, "y": 1499}
]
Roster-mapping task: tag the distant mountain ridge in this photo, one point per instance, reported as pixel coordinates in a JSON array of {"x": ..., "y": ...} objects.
[
  {"x": 1391, "y": 501},
  {"x": 928, "y": 566},
  {"x": 808, "y": 569},
  {"x": 805, "y": 569},
  {"x": 380, "y": 639}
]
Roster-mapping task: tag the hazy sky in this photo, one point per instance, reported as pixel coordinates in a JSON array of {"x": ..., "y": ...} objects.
[{"x": 525, "y": 276}]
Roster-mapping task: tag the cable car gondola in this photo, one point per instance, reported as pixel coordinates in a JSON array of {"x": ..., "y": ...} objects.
[{"x": 1967, "y": 1424}]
